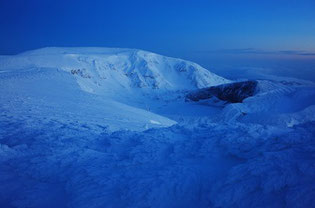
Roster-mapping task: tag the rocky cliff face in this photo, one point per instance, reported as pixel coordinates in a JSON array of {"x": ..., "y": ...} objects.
[{"x": 232, "y": 92}]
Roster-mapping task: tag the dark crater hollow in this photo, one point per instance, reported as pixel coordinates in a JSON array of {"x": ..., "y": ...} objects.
[{"x": 232, "y": 93}]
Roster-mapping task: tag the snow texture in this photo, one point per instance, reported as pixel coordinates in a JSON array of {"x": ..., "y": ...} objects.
[{"x": 101, "y": 127}]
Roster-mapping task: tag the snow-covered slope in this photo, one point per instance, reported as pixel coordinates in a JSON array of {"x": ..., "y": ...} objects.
[
  {"x": 48, "y": 94},
  {"x": 112, "y": 71},
  {"x": 101, "y": 84},
  {"x": 261, "y": 101},
  {"x": 276, "y": 103}
]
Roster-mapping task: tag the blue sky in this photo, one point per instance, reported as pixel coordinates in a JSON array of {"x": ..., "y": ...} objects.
[{"x": 173, "y": 27}]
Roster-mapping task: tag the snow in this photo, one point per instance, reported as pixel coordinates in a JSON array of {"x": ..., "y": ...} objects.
[
  {"x": 106, "y": 70},
  {"x": 104, "y": 127}
]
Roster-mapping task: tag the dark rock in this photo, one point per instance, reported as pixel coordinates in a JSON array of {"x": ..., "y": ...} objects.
[{"x": 233, "y": 93}]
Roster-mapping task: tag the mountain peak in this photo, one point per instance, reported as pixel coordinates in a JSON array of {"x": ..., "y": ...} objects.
[{"x": 115, "y": 69}]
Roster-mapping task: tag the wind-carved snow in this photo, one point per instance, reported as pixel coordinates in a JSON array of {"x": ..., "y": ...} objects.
[
  {"x": 261, "y": 101},
  {"x": 100, "y": 127}
]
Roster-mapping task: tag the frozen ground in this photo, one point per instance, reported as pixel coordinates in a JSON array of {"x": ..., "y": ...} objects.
[{"x": 97, "y": 127}]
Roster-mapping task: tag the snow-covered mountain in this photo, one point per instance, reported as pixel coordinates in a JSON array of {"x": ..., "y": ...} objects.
[
  {"x": 104, "y": 84},
  {"x": 110, "y": 70},
  {"x": 102, "y": 127}
]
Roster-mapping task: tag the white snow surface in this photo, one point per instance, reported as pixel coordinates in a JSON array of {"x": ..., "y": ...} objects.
[
  {"x": 108, "y": 70},
  {"x": 104, "y": 127}
]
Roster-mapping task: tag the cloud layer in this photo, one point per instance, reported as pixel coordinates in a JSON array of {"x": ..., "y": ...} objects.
[{"x": 261, "y": 51}]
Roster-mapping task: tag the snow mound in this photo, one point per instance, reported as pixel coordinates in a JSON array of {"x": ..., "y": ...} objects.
[
  {"x": 277, "y": 103},
  {"x": 48, "y": 165},
  {"x": 284, "y": 103}
]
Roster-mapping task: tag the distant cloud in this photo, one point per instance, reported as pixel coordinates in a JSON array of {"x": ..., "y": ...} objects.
[{"x": 261, "y": 51}]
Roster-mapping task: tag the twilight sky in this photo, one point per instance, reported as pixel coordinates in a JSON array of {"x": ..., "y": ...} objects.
[{"x": 170, "y": 27}]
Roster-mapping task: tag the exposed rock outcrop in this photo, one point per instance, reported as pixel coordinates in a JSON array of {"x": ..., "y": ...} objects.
[{"x": 232, "y": 92}]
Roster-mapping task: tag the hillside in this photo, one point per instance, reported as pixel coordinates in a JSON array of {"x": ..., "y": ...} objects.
[{"x": 104, "y": 85}]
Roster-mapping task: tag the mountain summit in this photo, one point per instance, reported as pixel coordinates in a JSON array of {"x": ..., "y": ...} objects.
[{"x": 101, "y": 70}]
